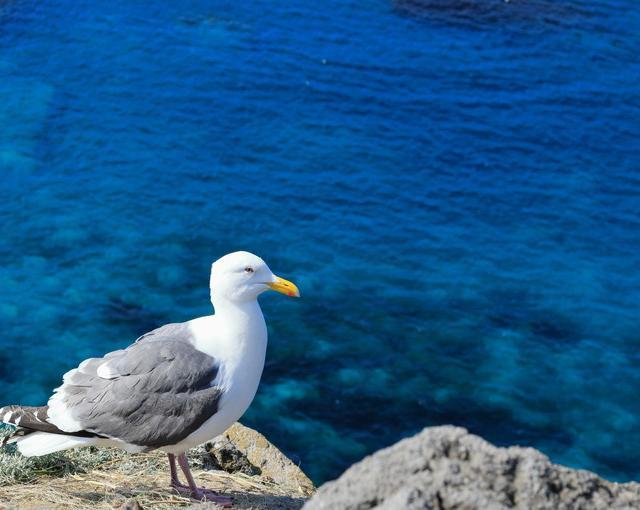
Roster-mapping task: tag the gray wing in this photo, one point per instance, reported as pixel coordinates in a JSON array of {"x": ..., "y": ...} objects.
[
  {"x": 152, "y": 394},
  {"x": 176, "y": 331}
]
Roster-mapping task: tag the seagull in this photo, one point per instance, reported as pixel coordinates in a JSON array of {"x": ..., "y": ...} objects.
[{"x": 172, "y": 389}]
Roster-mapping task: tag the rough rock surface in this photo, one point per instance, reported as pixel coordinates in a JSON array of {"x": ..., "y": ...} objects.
[{"x": 446, "y": 468}]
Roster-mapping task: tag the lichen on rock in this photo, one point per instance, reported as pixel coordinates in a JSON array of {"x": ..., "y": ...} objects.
[{"x": 225, "y": 455}]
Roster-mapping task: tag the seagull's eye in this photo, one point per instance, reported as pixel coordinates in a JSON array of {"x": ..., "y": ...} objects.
[{"x": 248, "y": 270}]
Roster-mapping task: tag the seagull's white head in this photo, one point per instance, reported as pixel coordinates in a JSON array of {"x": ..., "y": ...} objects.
[{"x": 242, "y": 276}]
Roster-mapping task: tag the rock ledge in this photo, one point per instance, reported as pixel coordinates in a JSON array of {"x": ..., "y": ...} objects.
[{"x": 108, "y": 479}]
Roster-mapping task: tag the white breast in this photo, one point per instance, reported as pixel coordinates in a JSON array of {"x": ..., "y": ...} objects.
[{"x": 239, "y": 343}]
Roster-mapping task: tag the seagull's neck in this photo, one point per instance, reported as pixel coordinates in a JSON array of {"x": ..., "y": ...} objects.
[
  {"x": 235, "y": 331},
  {"x": 238, "y": 316}
]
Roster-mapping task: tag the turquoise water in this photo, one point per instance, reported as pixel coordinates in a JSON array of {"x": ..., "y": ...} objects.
[{"x": 454, "y": 185}]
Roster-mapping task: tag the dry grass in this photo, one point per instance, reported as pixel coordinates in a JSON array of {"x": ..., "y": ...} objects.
[{"x": 103, "y": 479}]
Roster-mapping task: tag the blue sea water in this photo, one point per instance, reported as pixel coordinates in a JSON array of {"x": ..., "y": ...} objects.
[{"x": 454, "y": 185}]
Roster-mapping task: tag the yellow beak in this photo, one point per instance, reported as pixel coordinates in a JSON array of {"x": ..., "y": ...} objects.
[{"x": 285, "y": 287}]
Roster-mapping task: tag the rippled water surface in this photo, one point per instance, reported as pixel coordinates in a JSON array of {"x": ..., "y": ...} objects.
[{"x": 454, "y": 185}]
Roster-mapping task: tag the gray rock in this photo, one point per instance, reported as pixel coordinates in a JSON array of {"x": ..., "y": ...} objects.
[{"x": 446, "y": 468}]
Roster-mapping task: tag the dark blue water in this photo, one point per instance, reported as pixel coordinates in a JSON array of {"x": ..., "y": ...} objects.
[{"x": 454, "y": 185}]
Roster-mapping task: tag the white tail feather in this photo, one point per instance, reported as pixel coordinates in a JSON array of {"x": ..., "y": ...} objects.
[{"x": 42, "y": 443}]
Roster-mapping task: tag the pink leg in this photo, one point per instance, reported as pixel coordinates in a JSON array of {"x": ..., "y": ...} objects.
[
  {"x": 175, "y": 481},
  {"x": 197, "y": 493}
]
